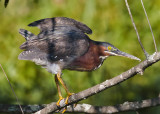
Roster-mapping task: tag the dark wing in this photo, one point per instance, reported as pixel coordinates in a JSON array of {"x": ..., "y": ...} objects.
[
  {"x": 60, "y": 38},
  {"x": 54, "y": 48},
  {"x": 53, "y": 23}
]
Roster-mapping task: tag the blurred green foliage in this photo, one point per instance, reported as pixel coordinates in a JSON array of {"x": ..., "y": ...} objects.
[{"x": 110, "y": 22}]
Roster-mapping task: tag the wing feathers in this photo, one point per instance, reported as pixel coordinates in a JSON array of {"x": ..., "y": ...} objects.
[
  {"x": 38, "y": 57},
  {"x": 51, "y": 23},
  {"x": 60, "y": 39},
  {"x": 26, "y": 34}
]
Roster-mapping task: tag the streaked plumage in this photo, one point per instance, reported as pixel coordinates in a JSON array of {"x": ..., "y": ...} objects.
[{"x": 60, "y": 39}]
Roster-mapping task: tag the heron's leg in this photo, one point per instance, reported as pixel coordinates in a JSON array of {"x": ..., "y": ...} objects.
[
  {"x": 65, "y": 87},
  {"x": 59, "y": 91}
]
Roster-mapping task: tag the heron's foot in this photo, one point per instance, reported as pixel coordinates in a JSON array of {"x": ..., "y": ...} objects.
[
  {"x": 64, "y": 110},
  {"x": 68, "y": 95},
  {"x": 60, "y": 98},
  {"x": 66, "y": 101}
]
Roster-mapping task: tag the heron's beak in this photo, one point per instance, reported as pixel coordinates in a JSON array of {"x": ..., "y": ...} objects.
[{"x": 123, "y": 54}]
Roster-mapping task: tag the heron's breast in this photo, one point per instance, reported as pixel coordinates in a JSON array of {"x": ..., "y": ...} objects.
[{"x": 87, "y": 62}]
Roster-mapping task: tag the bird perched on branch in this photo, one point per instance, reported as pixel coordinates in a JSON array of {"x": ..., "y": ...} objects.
[{"x": 63, "y": 44}]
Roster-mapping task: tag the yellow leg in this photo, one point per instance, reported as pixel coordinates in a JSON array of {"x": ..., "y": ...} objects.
[
  {"x": 65, "y": 87},
  {"x": 64, "y": 110},
  {"x": 59, "y": 91}
]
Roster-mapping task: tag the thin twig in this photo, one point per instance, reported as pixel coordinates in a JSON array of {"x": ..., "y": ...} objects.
[
  {"x": 129, "y": 11},
  {"x": 149, "y": 26},
  {"x": 12, "y": 89},
  {"x": 52, "y": 107}
]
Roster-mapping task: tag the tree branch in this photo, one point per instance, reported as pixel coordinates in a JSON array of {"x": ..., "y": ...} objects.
[
  {"x": 104, "y": 85},
  {"x": 87, "y": 108},
  {"x": 126, "y": 106}
]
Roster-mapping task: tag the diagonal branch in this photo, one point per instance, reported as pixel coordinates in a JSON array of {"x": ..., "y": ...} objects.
[
  {"x": 129, "y": 11},
  {"x": 104, "y": 85},
  {"x": 87, "y": 108}
]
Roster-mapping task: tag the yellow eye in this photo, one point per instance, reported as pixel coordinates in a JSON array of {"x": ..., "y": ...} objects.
[{"x": 109, "y": 48}]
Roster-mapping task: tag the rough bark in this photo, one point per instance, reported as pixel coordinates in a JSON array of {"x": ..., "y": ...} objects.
[{"x": 87, "y": 108}]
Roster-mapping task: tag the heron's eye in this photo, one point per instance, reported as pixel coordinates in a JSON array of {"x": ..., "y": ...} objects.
[{"x": 109, "y": 48}]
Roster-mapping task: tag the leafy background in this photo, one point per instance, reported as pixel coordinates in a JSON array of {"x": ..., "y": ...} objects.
[{"x": 110, "y": 22}]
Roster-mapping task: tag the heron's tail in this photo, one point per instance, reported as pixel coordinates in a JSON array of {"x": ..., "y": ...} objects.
[{"x": 26, "y": 34}]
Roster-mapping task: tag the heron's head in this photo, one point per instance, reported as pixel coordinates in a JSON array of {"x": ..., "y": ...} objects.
[{"x": 107, "y": 49}]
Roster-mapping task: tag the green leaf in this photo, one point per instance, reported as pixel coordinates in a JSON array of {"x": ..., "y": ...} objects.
[{"x": 6, "y": 3}]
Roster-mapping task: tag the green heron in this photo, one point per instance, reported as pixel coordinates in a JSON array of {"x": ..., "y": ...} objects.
[{"x": 63, "y": 44}]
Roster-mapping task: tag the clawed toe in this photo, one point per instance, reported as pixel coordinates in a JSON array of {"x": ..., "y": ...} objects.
[
  {"x": 69, "y": 94},
  {"x": 60, "y": 98}
]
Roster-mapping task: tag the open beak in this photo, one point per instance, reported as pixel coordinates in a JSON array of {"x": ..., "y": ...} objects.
[{"x": 123, "y": 54}]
